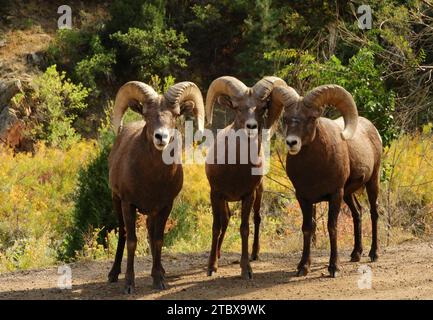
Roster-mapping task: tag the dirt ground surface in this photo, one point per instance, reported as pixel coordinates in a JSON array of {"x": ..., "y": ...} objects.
[{"x": 402, "y": 272}]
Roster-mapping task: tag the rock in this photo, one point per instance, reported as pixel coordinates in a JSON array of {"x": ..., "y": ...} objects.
[
  {"x": 8, "y": 89},
  {"x": 11, "y": 128},
  {"x": 35, "y": 58}
]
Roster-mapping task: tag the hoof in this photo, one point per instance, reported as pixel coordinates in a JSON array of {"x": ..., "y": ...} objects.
[
  {"x": 373, "y": 256},
  {"x": 302, "y": 271},
  {"x": 355, "y": 256},
  {"x": 333, "y": 271},
  {"x": 159, "y": 284},
  {"x": 254, "y": 257},
  {"x": 247, "y": 273},
  {"x": 211, "y": 270},
  {"x": 129, "y": 289},
  {"x": 113, "y": 277}
]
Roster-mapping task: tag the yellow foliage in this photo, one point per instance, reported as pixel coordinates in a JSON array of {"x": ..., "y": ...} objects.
[{"x": 36, "y": 198}]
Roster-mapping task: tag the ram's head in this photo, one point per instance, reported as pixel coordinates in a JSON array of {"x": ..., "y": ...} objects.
[
  {"x": 159, "y": 111},
  {"x": 252, "y": 105},
  {"x": 301, "y": 113}
]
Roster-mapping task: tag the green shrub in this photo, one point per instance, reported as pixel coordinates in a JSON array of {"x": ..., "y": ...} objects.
[
  {"x": 150, "y": 52},
  {"x": 361, "y": 77},
  {"x": 68, "y": 48},
  {"x": 97, "y": 65},
  {"x": 93, "y": 208},
  {"x": 59, "y": 102},
  {"x": 136, "y": 13}
]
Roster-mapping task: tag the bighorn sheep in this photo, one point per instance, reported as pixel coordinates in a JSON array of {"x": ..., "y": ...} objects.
[
  {"x": 235, "y": 182},
  {"x": 139, "y": 178},
  {"x": 328, "y": 163}
]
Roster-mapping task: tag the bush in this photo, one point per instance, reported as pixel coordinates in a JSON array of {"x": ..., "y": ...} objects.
[
  {"x": 93, "y": 208},
  {"x": 82, "y": 54},
  {"x": 150, "y": 52},
  {"x": 96, "y": 66},
  {"x": 361, "y": 77},
  {"x": 136, "y": 13},
  {"x": 59, "y": 102},
  {"x": 68, "y": 48}
]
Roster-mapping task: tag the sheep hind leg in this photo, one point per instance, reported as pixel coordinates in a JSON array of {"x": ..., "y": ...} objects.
[
  {"x": 334, "y": 210},
  {"x": 307, "y": 230},
  {"x": 116, "y": 269},
  {"x": 355, "y": 209},
  {"x": 257, "y": 220},
  {"x": 158, "y": 223},
  {"x": 247, "y": 204},
  {"x": 218, "y": 209},
  {"x": 129, "y": 217},
  {"x": 224, "y": 219},
  {"x": 372, "y": 187}
]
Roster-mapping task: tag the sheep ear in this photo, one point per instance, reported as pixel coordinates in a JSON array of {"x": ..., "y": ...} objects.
[
  {"x": 225, "y": 101},
  {"x": 143, "y": 109},
  {"x": 318, "y": 112}
]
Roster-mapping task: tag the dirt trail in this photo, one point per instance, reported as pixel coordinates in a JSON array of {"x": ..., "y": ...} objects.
[{"x": 403, "y": 272}]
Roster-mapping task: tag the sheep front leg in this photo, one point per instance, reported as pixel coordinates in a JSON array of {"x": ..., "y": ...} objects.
[
  {"x": 129, "y": 217},
  {"x": 218, "y": 209},
  {"x": 257, "y": 220},
  {"x": 334, "y": 210},
  {"x": 247, "y": 204},
  {"x": 115, "y": 270},
  {"x": 373, "y": 191},
  {"x": 156, "y": 241},
  {"x": 307, "y": 230}
]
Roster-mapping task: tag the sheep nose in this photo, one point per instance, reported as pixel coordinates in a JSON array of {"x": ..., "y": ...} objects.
[
  {"x": 161, "y": 136},
  {"x": 291, "y": 143},
  {"x": 251, "y": 126}
]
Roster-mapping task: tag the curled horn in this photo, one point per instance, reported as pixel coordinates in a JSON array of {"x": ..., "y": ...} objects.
[
  {"x": 226, "y": 85},
  {"x": 132, "y": 94},
  {"x": 187, "y": 92},
  {"x": 263, "y": 89},
  {"x": 342, "y": 100},
  {"x": 285, "y": 96}
]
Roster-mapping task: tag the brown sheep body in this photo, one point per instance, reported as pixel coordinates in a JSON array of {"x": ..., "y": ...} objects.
[
  {"x": 127, "y": 182},
  {"x": 139, "y": 177},
  {"x": 329, "y": 160}
]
